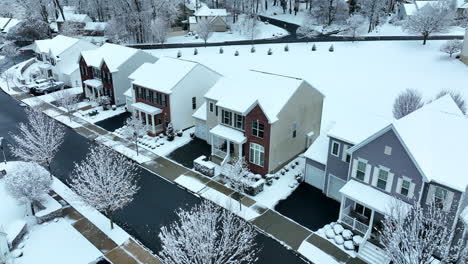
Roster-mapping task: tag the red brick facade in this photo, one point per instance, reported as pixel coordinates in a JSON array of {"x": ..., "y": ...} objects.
[
  {"x": 257, "y": 114},
  {"x": 85, "y": 74},
  {"x": 166, "y": 113},
  {"x": 106, "y": 78}
]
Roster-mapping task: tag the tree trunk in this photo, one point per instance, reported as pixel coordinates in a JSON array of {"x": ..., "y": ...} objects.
[
  {"x": 111, "y": 220},
  {"x": 425, "y": 36},
  {"x": 266, "y": 5},
  {"x": 50, "y": 170},
  {"x": 32, "y": 209}
]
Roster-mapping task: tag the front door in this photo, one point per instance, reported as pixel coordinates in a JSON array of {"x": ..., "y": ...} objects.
[{"x": 49, "y": 73}]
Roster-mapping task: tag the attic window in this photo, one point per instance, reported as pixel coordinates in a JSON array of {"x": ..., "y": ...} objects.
[{"x": 388, "y": 150}]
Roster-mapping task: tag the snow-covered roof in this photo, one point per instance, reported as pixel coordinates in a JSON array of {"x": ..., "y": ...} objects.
[
  {"x": 113, "y": 55},
  {"x": 231, "y": 134},
  {"x": 240, "y": 94},
  {"x": 129, "y": 92},
  {"x": 94, "y": 83},
  {"x": 10, "y": 24},
  {"x": 371, "y": 197},
  {"x": 69, "y": 13},
  {"x": 206, "y": 11},
  {"x": 318, "y": 151},
  {"x": 413, "y": 7},
  {"x": 149, "y": 109},
  {"x": 201, "y": 112},
  {"x": 3, "y": 22},
  {"x": 436, "y": 137},
  {"x": 357, "y": 127},
  {"x": 95, "y": 26},
  {"x": 56, "y": 46},
  {"x": 163, "y": 75}
]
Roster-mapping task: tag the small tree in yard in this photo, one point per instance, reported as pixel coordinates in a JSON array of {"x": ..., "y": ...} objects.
[
  {"x": 159, "y": 29},
  {"x": 105, "y": 180},
  {"x": 249, "y": 27},
  {"x": 456, "y": 96},
  {"x": 204, "y": 30},
  {"x": 307, "y": 29},
  {"x": 170, "y": 132},
  {"x": 10, "y": 50},
  {"x": 431, "y": 18},
  {"x": 8, "y": 77},
  {"x": 355, "y": 23},
  {"x": 237, "y": 176},
  {"x": 415, "y": 236},
  {"x": 134, "y": 129},
  {"x": 208, "y": 234},
  {"x": 70, "y": 29},
  {"x": 28, "y": 182},
  {"x": 407, "y": 102},
  {"x": 452, "y": 46},
  {"x": 67, "y": 100},
  {"x": 38, "y": 140}
]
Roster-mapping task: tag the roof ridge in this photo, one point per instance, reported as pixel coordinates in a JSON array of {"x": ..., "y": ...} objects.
[{"x": 276, "y": 74}]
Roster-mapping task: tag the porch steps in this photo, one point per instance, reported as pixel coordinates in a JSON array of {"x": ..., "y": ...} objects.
[{"x": 373, "y": 254}]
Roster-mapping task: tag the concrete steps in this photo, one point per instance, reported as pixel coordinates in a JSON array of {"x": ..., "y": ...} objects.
[{"x": 373, "y": 254}]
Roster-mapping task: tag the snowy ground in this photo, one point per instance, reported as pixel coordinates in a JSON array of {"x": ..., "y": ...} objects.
[
  {"x": 356, "y": 77},
  {"x": 315, "y": 255},
  {"x": 108, "y": 140},
  {"x": 102, "y": 115},
  {"x": 291, "y": 18}
]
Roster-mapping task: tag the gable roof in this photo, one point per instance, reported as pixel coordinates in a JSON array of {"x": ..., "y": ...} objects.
[
  {"x": 56, "y": 46},
  {"x": 270, "y": 91},
  {"x": 113, "y": 55},
  {"x": 435, "y": 137},
  {"x": 163, "y": 75},
  {"x": 7, "y": 23},
  {"x": 206, "y": 11}
]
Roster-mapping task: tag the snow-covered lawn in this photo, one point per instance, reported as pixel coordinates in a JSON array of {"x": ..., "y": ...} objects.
[
  {"x": 10, "y": 210},
  {"x": 276, "y": 12},
  {"x": 356, "y": 77},
  {"x": 122, "y": 149},
  {"x": 57, "y": 243},
  {"x": 101, "y": 115},
  {"x": 191, "y": 183},
  {"x": 281, "y": 188},
  {"x": 316, "y": 255}
]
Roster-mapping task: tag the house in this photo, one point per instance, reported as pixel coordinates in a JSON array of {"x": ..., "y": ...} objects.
[
  {"x": 58, "y": 58},
  {"x": 6, "y": 24},
  {"x": 216, "y": 17},
  {"x": 95, "y": 28},
  {"x": 406, "y": 9},
  {"x": 462, "y": 9},
  {"x": 169, "y": 91},
  {"x": 265, "y": 118},
  {"x": 416, "y": 159},
  {"x": 105, "y": 71},
  {"x": 464, "y": 53},
  {"x": 69, "y": 14}
]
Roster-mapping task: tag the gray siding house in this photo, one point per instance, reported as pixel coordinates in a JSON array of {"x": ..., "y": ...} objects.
[{"x": 417, "y": 159}]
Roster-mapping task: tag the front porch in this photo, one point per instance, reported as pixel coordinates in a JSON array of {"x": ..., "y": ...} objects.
[
  {"x": 151, "y": 116},
  {"x": 227, "y": 143},
  {"x": 93, "y": 89}
]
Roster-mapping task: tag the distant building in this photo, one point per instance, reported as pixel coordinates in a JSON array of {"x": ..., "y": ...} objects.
[
  {"x": 462, "y": 9},
  {"x": 407, "y": 9},
  {"x": 216, "y": 17}
]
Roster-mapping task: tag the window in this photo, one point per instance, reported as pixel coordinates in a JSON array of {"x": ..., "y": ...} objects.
[
  {"x": 405, "y": 187},
  {"x": 258, "y": 129},
  {"x": 140, "y": 92},
  {"x": 239, "y": 121},
  {"x": 52, "y": 61},
  {"x": 294, "y": 130},
  {"x": 361, "y": 170},
  {"x": 257, "y": 154},
  {"x": 211, "y": 107},
  {"x": 163, "y": 100},
  {"x": 346, "y": 156},
  {"x": 388, "y": 150},
  {"x": 147, "y": 94},
  {"x": 194, "y": 103},
  {"x": 335, "y": 151},
  {"x": 440, "y": 195},
  {"x": 226, "y": 117},
  {"x": 362, "y": 210},
  {"x": 382, "y": 179},
  {"x": 216, "y": 110},
  {"x": 155, "y": 98}
]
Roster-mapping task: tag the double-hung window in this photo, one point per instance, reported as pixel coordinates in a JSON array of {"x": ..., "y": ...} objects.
[
  {"x": 440, "y": 195},
  {"x": 147, "y": 93},
  {"x": 258, "y": 129},
  {"x": 211, "y": 107},
  {"x": 335, "y": 149},
  {"x": 226, "y": 117},
  {"x": 163, "y": 100},
  {"x": 361, "y": 170},
  {"x": 155, "y": 97},
  {"x": 405, "y": 187},
  {"x": 140, "y": 93},
  {"x": 194, "y": 103},
  {"x": 382, "y": 179},
  {"x": 257, "y": 154},
  {"x": 239, "y": 121}
]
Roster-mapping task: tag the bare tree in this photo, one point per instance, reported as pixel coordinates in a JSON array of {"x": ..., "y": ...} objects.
[
  {"x": 457, "y": 98},
  {"x": 431, "y": 18},
  {"x": 38, "y": 140},
  {"x": 417, "y": 235},
  {"x": 67, "y": 100},
  {"x": 134, "y": 129},
  {"x": 373, "y": 10},
  {"x": 8, "y": 77},
  {"x": 307, "y": 29},
  {"x": 249, "y": 26},
  {"x": 236, "y": 176},
  {"x": 70, "y": 29},
  {"x": 204, "y": 29},
  {"x": 105, "y": 180},
  {"x": 327, "y": 12},
  {"x": 407, "y": 102},
  {"x": 10, "y": 50},
  {"x": 355, "y": 23},
  {"x": 452, "y": 46},
  {"x": 208, "y": 234},
  {"x": 28, "y": 183},
  {"x": 160, "y": 29}
]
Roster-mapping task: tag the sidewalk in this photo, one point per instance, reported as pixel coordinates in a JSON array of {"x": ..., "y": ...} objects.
[{"x": 128, "y": 253}]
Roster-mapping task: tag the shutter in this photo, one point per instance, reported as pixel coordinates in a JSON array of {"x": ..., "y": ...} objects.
[
  {"x": 375, "y": 177},
  {"x": 430, "y": 194},
  {"x": 368, "y": 170},
  {"x": 398, "y": 185},
  {"x": 388, "y": 188},
  {"x": 448, "y": 201},
  {"x": 353, "y": 173},
  {"x": 411, "y": 190},
  {"x": 345, "y": 148}
]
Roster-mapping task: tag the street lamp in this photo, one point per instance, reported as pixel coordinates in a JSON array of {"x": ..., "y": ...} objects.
[{"x": 3, "y": 150}]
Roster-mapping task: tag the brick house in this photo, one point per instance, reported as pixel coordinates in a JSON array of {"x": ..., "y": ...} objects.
[
  {"x": 416, "y": 159},
  {"x": 169, "y": 91},
  {"x": 104, "y": 71},
  {"x": 266, "y": 118}
]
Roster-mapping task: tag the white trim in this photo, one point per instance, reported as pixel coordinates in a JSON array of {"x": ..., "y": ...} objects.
[
  {"x": 388, "y": 150},
  {"x": 332, "y": 146},
  {"x": 345, "y": 153}
]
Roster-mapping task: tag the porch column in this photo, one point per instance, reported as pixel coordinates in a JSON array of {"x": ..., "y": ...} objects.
[
  {"x": 240, "y": 151},
  {"x": 371, "y": 224},
  {"x": 343, "y": 200},
  {"x": 228, "y": 147},
  {"x": 146, "y": 116},
  {"x": 152, "y": 125},
  {"x": 212, "y": 144}
]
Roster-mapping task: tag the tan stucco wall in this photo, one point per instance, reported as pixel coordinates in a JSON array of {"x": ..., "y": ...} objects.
[{"x": 305, "y": 109}]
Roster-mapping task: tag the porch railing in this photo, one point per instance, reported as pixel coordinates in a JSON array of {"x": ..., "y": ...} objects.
[
  {"x": 158, "y": 127},
  {"x": 353, "y": 222},
  {"x": 219, "y": 153}
]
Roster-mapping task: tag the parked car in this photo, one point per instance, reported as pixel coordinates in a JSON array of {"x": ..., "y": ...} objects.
[
  {"x": 48, "y": 87},
  {"x": 36, "y": 83}
]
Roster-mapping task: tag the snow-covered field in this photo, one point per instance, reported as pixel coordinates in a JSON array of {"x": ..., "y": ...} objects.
[{"x": 356, "y": 77}]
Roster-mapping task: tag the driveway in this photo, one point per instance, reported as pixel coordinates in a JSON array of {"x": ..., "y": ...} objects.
[
  {"x": 309, "y": 207},
  {"x": 187, "y": 153}
]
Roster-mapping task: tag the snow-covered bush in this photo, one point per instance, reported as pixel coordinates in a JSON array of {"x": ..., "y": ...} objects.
[
  {"x": 252, "y": 50},
  {"x": 283, "y": 171},
  {"x": 180, "y": 133},
  {"x": 331, "y": 49},
  {"x": 236, "y": 53},
  {"x": 195, "y": 51},
  {"x": 407, "y": 102},
  {"x": 270, "y": 52},
  {"x": 179, "y": 54},
  {"x": 28, "y": 183},
  {"x": 30, "y": 29},
  {"x": 452, "y": 46},
  {"x": 221, "y": 50},
  {"x": 170, "y": 132},
  {"x": 314, "y": 48},
  {"x": 286, "y": 48}
]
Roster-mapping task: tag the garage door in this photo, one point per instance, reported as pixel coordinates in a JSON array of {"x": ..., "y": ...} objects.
[
  {"x": 200, "y": 130},
  {"x": 334, "y": 186},
  {"x": 315, "y": 176}
]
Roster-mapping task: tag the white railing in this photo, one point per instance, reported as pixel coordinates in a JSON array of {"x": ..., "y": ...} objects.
[
  {"x": 219, "y": 153},
  {"x": 225, "y": 160},
  {"x": 158, "y": 128},
  {"x": 354, "y": 223}
]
